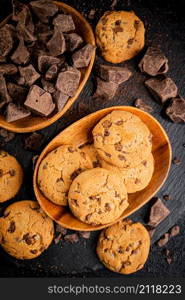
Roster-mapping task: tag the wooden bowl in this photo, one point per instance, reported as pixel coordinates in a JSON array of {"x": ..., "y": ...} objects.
[
  {"x": 78, "y": 134},
  {"x": 30, "y": 124}
]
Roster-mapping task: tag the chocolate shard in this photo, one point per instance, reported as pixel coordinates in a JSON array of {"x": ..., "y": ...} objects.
[
  {"x": 21, "y": 55},
  {"x": 15, "y": 112},
  {"x": 105, "y": 89},
  {"x": 46, "y": 61},
  {"x": 141, "y": 104},
  {"x": 52, "y": 72},
  {"x": 57, "y": 45},
  {"x": 17, "y": 93},
  {"x": 82, "y": 57},
  {"x": 162, "y": 88},
  {"x": 8, "y": 69},
  {"x": 176, "y": 110},
  {"x": 64, "y": 23},
  {"x": 4, "y": 96},
  {"x": 44, "y": 9},
  {"x": 73, "y": 41},
  {"x": 39, "y": 101},
  {"x": 175, "y": 230},
  {"x": 6, "y": 40},
  {"x": 164, "y": 240},
  {"x": 68, "y": 81},
  {"x": 60, "y": 100},
  {"x": 158, "y": 213},
  {"x": 114, "y": 74},
  {"x": 33, "y": 142},
  {"x": 154, "y": 62},
  {"x": 48, "y": 86},
  {"x": 29, "y": 74}
]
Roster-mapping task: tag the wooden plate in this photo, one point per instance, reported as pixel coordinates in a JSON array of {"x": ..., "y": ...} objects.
[
  {"x": 78, "y": 134},
  {"x": 35, "y": 123}
]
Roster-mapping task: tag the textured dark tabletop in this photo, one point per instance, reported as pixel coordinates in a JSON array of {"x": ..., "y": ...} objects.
[{"x": 165, "y": 23}]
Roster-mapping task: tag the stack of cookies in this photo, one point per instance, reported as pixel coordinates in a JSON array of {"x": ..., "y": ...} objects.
[{"x": 95, "y": 179}]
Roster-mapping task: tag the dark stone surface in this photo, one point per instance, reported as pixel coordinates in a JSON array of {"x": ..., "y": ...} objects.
[{"x": 164, "y": 22}]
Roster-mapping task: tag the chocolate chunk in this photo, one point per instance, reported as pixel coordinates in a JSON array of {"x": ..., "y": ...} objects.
[
  {"x": 6, "y": 40},
  {"x": 48, "y": 86},
  {"x": 52, "y": 72},
  {"x": 8, "y": 69},
  {"x": 154, "y": 62},
  {"x": 29, "y": 74},
  {"x": 2, "y": 59},
  {"x": 164, "y": 240},
  {"x": 175, "y": 230},
  {"x": 105, "y": 89},
  {"x": 33, "y": 142},
  {"x": 82, "y": 57},
  {"x": 12, "y": 172},
  {"x": 4, "y": 96},
  {"x": 15, "y": 112},
  {"x": 114, "y": 74},
  {"x": 141, "y": 104},
  {"x": 39, "y": 101},
  {"x": 73, "y": 41},
  {"x": 162, "y": 88},
  {"x": 57, "y": 45},
  {"x": 60, "y": 100},
  {"x": 167, "y": 197},
  {"x": 68, "y": 81},
  {"x": 176, "y": 161},
  {"x": 17, "y": 92},
  {"x": 176, "y": 110},
  {"x": 18, "y": 9},
  {"x": 64, "y": 23},
  {"x": 11, "y": 228},
  {"x": 71, "y": 238},
  {"x": 61, "y": 229},
  {"x": 21, "y": 55},
  {"x": 6, "y": 135},
  {"x": 44, "y": 9},
  {"x": 85, "y": 234},
  {"x": 44, "y": 37},
  {"x": 46, "y": 61},
  {"x": 158, "y": 213}
]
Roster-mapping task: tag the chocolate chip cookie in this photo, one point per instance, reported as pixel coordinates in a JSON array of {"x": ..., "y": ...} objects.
[
  {"x": 93, "y": 154},
  {"x": 97, "y": 196},
  {"x": 25, "y": 230},
  {"x": 124, "y": 247}
]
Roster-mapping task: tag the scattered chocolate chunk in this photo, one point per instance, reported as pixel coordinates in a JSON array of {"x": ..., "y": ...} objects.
[
  {"x": 6, "y": 40},
  {"x": 176, "y": 161},
  {"x": 57, "y": 45},
  {"x": 29, "y": 74},
  {"x": 82, "y": 57},
  {"x": 162, "y": 88},
  {"x": 175, "y": 230},
  {"x": 58, "y": 238},
  {"x": 14, "y": 112},
  {"x": 39, "y": 101},
  {"x": 44, "y": 9},
  {"x": 73, "y": 41},
  {"x": 52, "y": 72},
  {"x": 154, "y": 62},
  {"x": 64, "y": 23},
  {"x": 33, "y": 141},
  {"x": 7, "y": 135},
  {"x": 114, "y": 74},
  {"x": 8, "y": 69},
  {"x": 85, "y": 234},
  {"x": 21, "y": 55},
  {"x": 4, "y": 96},
  {"x": 11, "y": 228},
  {"x": 164, "y": 240},
  {"x": 141, "y": 104},
  {"x": 61, "y": 229},
  {"x": 176, "y": 110},
  {"x": 48, "y": 86},
  {"x": 105, "y": 89},
  {"x": 158, "y": 213},
  {"x": 71, "y": 238},
  {"x": 68, "y": 81},
  {"x": 60, "y": 100},
  {"x": 46, "y": 61},
  {"x": 167, "y": 197},
  {"x": 17, "y": 93}
]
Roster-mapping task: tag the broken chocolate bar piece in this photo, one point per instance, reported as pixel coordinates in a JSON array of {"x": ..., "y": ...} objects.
[
  {"x": 73, "y": 41},
  {"x": 44, "y": 37},
  {"x": 158, "y": 213},
  {"x": 164, "y": 240},
  {"x": 48, "y": 86},
  {"x": 8, "y": 69},
  {"x": 46, "y": 61},
  {"x": 141, "y": 104},
  {"x": 44, "y": 9},
  {"x": 68, "y": 81},
  {"x": 64, "y": 23},
  {"x": 154, "y": 62},
  {"x": 4, "y": 96},
  {"x": 57, "y": 44},
  {"x": 17, "y": 93},
  {"x": 21, "y": 55},
  {"x": 15, "y": 113},
  {"x": 176, "y": 110},
  {"x": 52, "y": 72},
  {"x": 60, "y": 100},
  {"x": 39, "y": 101},
  {"x": 105, "y": 89},
  {"x": 82, "y": 57},
  {"x": 114, "y": 74},
  {"x": 162, "y": 88},
  {"x": 6, "y": 39},
  {"x": 29, "y": 74}
]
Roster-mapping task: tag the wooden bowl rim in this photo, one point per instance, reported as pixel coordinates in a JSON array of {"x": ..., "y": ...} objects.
[
  {"x": 49, "y": 121},
  {"x": 107, "y": 110}
]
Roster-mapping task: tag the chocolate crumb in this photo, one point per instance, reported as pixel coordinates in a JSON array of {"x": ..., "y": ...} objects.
[
  {"x": 11, "y": 228},
  {"x": 176, "y": 161}
]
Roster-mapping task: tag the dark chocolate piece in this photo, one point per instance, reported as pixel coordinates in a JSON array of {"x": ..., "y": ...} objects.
[
  {"x": 60, "y": 100},
  {"x": 162, "y": 88},
  {"x": 57, "y": 45},
  {"x": 33, "y": 142},
  {"x": 21, "y": 55},
  {"x": 68, "y": 81},
  {"x": 167, "y": 197},
  {"x": 6, "y": 39},
  {"x": 158, "y": 213},
  {"x": 73, "y": 41},
  {"x": 164, "y": 240},
  {"x": 6, "y": 135},
  {"x": 82, "y": 57},
  {"x": 18, "y": 9},
  {"x": 17, "y": 93},
  {"x": 114, "y": 74},
  {"x": 46, "y": 61},
  {"x": 29, "y": 74},
  {"x": 52, "y": 72},
  {"x": 141, "y": 104},
  {"x": 175, "y": 230},
  {"x": 4, "y": 96},
  {"x": 8, "y": 69},
  {"x": 176, "y": 110},
  {"x": 44, "y": 9},
  {"x": 176, "y": 161},
  {"x": 44, "y": 37},
  {"x": 154, "y": 62},
  {"x": 48, "y": 86},
  {"x": 14, "y": 112},
  {"x": 34, "y": 161},
  {"x": 105, "y": 89},
  {"x": 61, "y": 229},
  {"x": 39, "y": 101},
  {"x": 64, "y": 23},
  {"x": 71, "y": 238},
  {"x": 85, "y": 234}
]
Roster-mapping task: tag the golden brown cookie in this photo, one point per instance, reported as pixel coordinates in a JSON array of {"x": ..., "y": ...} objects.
[
  {"x": 124, "y": 247},
  {"x": 93, "y": 154},
  {"x": 120, "y": 35},
  {"x": 11, "y": 176},
  {"x": 137, "y": 178},
  {"x": 26, "y": 231},
  {"x": 97, "y": 196},
  {"x": 58, "y": 169},
  {"x": 122, "y": 139}
]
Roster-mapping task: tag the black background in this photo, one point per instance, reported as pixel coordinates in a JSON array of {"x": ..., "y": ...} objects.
[{"x": 165, "y": 23}]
